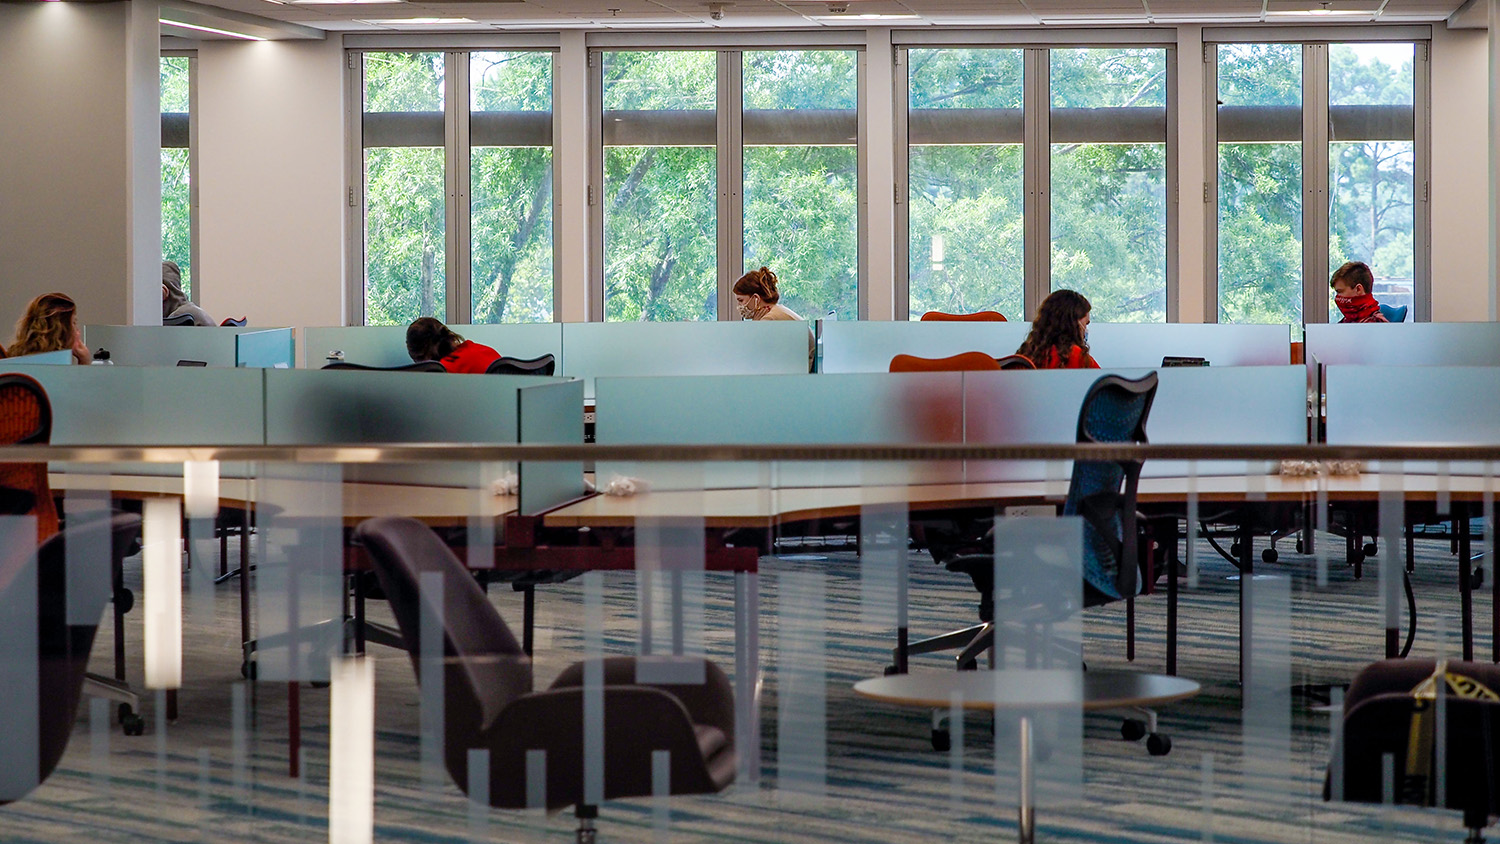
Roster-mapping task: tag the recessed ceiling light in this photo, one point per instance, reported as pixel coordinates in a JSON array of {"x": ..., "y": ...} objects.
[
  {"x": 866, "y": 17},
  {"x": 418, "y": 21},
  {"x": 335, "y": 2},
  {"x": 211, "y": 30}
]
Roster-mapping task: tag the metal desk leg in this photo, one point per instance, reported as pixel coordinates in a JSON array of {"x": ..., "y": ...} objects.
[
  {"x": 1465, "y": 585},
  {"x": 1247, "y": 574},
  {"x": 294, "y": 729},
  {"x": 528, "y": 617},
  {"x": 1171, "y": 542}
]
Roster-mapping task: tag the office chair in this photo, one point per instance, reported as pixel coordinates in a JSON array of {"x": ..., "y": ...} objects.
[
  {"x": 419, "y": 366},
  {"x": 62, "y": 648},
  {"x": 180, "y": 319},
  {"x": 489, "y": 703},
  {"x": 1393, "y": 314},
  {"x": 1103, "y": 492},
  {"x": 963, "y": 361},
  {"x": 977, "y": 316},
  {"x": 236, "y": 323},
  {"x": 26, "y": 417},
  {"x": 1391, "y": 713},
  {"x": 544, "y": 365},
  {"x": 1015, "y": 362}
]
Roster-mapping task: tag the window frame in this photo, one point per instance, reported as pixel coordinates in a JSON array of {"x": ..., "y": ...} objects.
[
  {"x": 1315, "y": 43},
  {"x": 458, "y": 225}
]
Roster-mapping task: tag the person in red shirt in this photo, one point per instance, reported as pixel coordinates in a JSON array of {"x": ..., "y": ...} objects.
[
  {"x": 430, "y": 339},
  {"x": 1059, "y": 334},
  {"x": 1351, "y": 285}
]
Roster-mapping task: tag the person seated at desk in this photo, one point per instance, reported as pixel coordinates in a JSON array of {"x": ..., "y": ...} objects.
[
  {"x": 1351, "y": 285},
  {"x": 174, "y": 302},
  {"x": 50, "y": 324},
  {"x": 1059, "y": 337},
  {"x": 756, "y": 297},
  {"x": 429, "y": 339}
]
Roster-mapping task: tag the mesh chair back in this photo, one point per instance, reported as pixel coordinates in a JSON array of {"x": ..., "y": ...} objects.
[
  {"x": 485, "y": 667},
  {"x": 419, "y": 366},
  {"x": 26, "y": 417},
  {"x": 180, "y": 319},
  {"x": 1103, "y": 492},
  {"x": 544, "y": 365},
  {"x": 1015, "y": 362}
]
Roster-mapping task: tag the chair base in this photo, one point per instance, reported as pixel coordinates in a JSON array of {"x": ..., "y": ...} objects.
[{"x": 586, "y": 815}]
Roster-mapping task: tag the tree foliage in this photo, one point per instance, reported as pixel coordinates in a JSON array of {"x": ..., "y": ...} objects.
[{"x": 176, "y": 207}]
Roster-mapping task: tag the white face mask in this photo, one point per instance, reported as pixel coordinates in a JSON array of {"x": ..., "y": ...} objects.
[{"x": 746, "y": 308}]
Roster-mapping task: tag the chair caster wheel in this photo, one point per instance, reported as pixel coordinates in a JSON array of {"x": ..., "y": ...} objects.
[
  {"x": 247, "y": 669},
  {"x": 1301, "y": 549},
  {"x": 1158, "y": 744},
  {"x": 1269, "y": 555},
  {"x": 941, "y": 740},
  {"x": 124, "y": 600},
  {"x": 131, "y": 724},
  {"x": 891, "y": 671},
  {"x": 1132, "y": 729},
  {"x": 1477, "y": 579},
  {"x": 1369, "y": 549},
  {"x": 1234, "y": 550}
]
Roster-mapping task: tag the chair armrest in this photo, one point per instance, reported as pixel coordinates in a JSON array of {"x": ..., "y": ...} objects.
[{"x": 710, "y": 704}]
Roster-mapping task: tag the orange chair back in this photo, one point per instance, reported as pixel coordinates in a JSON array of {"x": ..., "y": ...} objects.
[
  {"x": 962, "y": 362},
  {"x": 978, "y": 316},
  {"x": 26, "y": 417}
]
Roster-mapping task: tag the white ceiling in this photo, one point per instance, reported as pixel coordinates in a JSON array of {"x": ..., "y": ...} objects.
[{"x": 491, "y": 15}]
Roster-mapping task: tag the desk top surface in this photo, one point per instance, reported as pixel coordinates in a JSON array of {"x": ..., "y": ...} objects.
[{"x": 1028, "y": 689}]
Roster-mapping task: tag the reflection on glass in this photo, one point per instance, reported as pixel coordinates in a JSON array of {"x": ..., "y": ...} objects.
[
  {"x": 176, "y": 212},
  {"x": 404, "y": 212},
  {"x": 1109, "y": 214},
  {"x": 801, "y": 176},
  {"x": 510, "y": 179},
  {"x": 1260, "y": 183},
  {"x": 660, "y": 248},
  {"x": 1371, "y": 161},
  {"x": 965, "y": 201}
]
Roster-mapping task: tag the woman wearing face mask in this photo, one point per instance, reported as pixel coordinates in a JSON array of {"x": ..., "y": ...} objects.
[
  {"x": 756, "y": 298},
  {"x": 1059, "y": 334}
]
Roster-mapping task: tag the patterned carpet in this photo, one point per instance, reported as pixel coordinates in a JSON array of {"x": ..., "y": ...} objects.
[{"x": 884, "y": 783}]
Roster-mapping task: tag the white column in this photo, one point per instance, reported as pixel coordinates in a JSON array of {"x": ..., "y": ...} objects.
[
  {"x": 1461, "y": 159},
  {"x": 570, "y": 181},
  {"x": 1493, "y": 286},
  {"x": 879, "y": 177},
  {"x": 143, "y": 171},
  {"x": 1194, "y": 254}
]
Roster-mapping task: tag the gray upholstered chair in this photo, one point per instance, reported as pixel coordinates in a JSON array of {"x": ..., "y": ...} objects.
[{"x": 488, "y": 701}]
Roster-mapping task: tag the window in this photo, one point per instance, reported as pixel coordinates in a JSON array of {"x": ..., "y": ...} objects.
[
  {"x": 177, "y": 203},
  {"x": 1335, "y": 122},
  {"x": 458, "y": 207},
  {"x": 660, "y": 184},
  {"x": 965, "y": 196},
  {"x": 1034, "y": 169}
]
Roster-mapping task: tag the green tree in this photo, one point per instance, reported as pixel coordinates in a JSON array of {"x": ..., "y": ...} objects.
[{"x": 176, "y": 206}]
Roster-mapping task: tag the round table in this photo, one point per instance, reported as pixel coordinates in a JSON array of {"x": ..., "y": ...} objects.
[{"x": 1028, "y": 689}]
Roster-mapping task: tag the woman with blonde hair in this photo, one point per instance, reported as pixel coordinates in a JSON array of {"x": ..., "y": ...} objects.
[{"x": 50, "y": 324}]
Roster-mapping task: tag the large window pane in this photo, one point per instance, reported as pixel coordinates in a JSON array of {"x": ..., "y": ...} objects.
[
  {"x": 510, "y": 175},
  {"x": 660, "y": 260},
  {"x": 405, "y": 269},
  {"x": 1371, "y": 161},
  {"x": 801, "y": 124},
  {"x": 176, "y": 205},
  {"x": 1108, "y": 196},
  {"x": 1260, "y": 183},
  {"x": 965, "y": 201}
]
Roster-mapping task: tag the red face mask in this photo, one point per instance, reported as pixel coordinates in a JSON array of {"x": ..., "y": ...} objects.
[{"x": 1357, "y": 308}]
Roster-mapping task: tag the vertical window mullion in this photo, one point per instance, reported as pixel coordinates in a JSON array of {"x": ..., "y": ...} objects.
[
  {"x": 596, "y": 186},
  {"x": 1210, "y": 183},
  {"x": 1037, "y": 178},
  {"x": 455, "y": 175},
  {"x": 193, "y": 174},
  {"x": 902, "y": 144},
  {"x": 1315, "y": 183},
  {"x": 1174, "y": 194},
  {"x": 355, "y": 188},
  {"x": 1422, "y": 218},
  {"x": 730, "y": 158}
]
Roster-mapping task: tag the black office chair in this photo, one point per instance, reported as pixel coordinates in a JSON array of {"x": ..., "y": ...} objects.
[
  {"x": 419, "y": 366},
  {"x": 1103, "y": 492},
  {"x": 488, "y": 700},
  {"x": 62, "y": 648},
  {"x": 544, "y": 365},
  {"x": 1390, "y": 712},
  {"x": 180, "y": 319}
]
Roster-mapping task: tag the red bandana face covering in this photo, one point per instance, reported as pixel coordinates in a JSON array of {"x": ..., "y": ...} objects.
[{"x": 1358, "y": 308}]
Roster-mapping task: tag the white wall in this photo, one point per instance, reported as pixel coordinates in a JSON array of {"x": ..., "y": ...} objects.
[
  {"x": 66, "y": 151},
  {"x": 271, "y": 181},
  {"x": 1460, "y": 176}
]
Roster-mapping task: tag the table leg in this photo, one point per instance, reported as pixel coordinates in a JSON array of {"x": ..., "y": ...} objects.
[
  {"x": 294, "y": 729},
  {"x": 528, "y": 617},
  {"x": 1247, "y": 574},
  {"x": 1026, "y": 823},
  {"x": 1465, "y": 585}
]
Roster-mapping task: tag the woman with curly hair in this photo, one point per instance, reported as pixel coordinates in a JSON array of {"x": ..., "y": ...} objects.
[
  {"x": 1059, "y": 334},
  {"x": 50, "y": 324}
]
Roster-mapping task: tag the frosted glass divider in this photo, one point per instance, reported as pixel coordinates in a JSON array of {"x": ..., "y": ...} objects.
[
  {"x": 1144, "y": 345},
  {"x": 272, "y": 348},
  {"x": 62, "y": 357},
  {"x": 550, "y": 413},
  {"x": 1405, "y": 344},
  {"x": 784, "y": 409},
  {"x": 165, "y": 345},
  {"x": 385, "y": 345},
  {"x": 869, "y": 345},
  {"x": 1414, "y": 405},
  {"x": 603, "y": 349}
]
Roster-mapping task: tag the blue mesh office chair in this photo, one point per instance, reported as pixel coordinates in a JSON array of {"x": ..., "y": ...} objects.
[{"x": 1393, "y": 314}]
